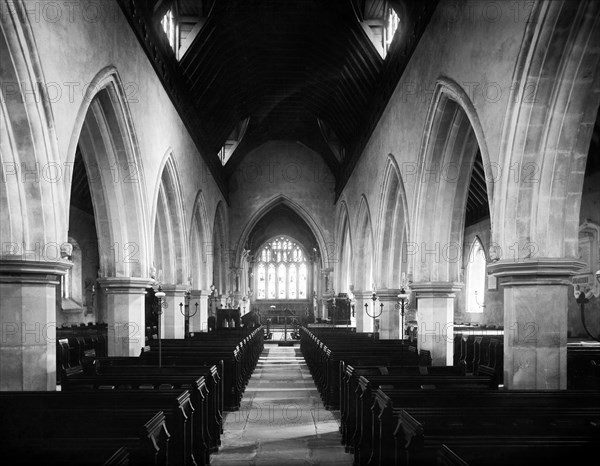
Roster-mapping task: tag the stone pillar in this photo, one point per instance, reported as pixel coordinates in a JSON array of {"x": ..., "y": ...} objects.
[
  {"x": 199, "y": 322},
  {"x": 172, "y": 318},
  {"x": 364, "y": 323},
  {"x": 535, "y": 321},
  {"x": 389, "y": 322},
  {"x": 435, "y": 318},
  {"x": 28, "y": 306},
  {"x": 125, "y": 311}
]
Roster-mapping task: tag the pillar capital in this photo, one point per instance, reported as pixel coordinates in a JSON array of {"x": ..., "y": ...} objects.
[
  {"x": 539, "y": 271},
  {"x": 175, "y": 290},
  {"x": 387, "y": 294},
  {"x": 124, "y": 285},
  {"x": 32, "y": 272},
  {"x": 436, "y": 289}
]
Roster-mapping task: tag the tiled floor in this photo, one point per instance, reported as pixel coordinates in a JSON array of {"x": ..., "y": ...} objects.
[{"x": 282, "y": 420}]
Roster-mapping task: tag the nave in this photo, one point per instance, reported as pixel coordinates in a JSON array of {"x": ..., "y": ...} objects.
[
  {"x": 281, "y": 418},
  {"x": 414, "y": 185}
]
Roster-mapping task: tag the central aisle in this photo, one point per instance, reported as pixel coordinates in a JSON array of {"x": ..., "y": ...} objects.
[{"x": 282, "y": 420}]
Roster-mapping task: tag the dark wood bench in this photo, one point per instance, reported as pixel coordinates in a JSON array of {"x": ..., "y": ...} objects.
[
  {"x": 123, "y": 382},
  {"x": 517, "y": 453},
  {"x": 364, "y": 440},
  {"x": 421, "y": 431},
  {"x": 214, "y": 418},
  {"x": 388, "y": 403},
  {"x": 57, "y": 435},
  {"x": 185, "y": 445}
]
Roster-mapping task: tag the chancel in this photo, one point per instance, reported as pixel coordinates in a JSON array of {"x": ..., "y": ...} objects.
[{"x": 301, "y": 232}]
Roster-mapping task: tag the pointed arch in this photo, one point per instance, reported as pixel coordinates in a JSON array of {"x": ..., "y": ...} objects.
[
  {"x": 220, "y": 252},
  {"x": 108, "y": 143},
  {"x": 393, "y": 227},
  {"x": 33, "y": 203},
  {"x": 547, "y": 132},
  {"x": 344, "y": 250},
  {"x": 475, "y": 277},
  {"x": 364, "y": 276},
  {"x": 451, "y": 139},
  {"x": 170, "y": 245},
  {"x": 199, "y": 239},
  {"x": 304, "y": 214}
]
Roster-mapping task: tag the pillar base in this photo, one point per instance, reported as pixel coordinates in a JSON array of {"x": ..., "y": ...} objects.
[
  {"x": 173, "y": 318},
  {"x": 389, "y": 322},
  {"x": 435, "y": 317},
  {"x": 125, "y": 311},
  {"x": 364, "y": 323},
  {"x": 28, "y": 321},
  {"x": 199, "y": 322},
  {"x": 535, "y": 321}
]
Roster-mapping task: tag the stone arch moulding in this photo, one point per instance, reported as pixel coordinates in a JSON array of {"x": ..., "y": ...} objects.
[
  {"x": 392, "y": 238},
  {"x": 343, "y": 224},
  {"x": 105, "y": 132},
  {"x": 452, "y": 136},
  {"x": 200, "y": 235},
  {"x": 35, "y": 210},
  {"x": 364, "y": 236},
  {"x": 298, "y": 209},
  {"x": 547, "y": 132},
  {"x": 219, "y": 249},
  {"x": 168, "y": 194}
]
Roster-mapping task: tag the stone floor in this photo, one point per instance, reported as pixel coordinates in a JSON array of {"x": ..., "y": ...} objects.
[{"x": 282, "y": 420}]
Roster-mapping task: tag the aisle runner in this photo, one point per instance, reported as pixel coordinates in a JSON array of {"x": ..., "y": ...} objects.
[{"x": 282, "y": 420}]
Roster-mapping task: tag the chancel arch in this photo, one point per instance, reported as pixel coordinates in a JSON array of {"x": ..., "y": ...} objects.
[
  {"x": 281, "y": 219},
  {"x": 298, "y": 210}
]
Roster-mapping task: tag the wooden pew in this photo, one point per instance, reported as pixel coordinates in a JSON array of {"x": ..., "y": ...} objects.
[
  {"x": 239, "y": 357},
  {"x": 364, "y": 440},
  {"x": 517, "y": 453},
  {"x": 350, "y": 392},
  {"x": 145, "y": 381},
  {"x": 323, "y": 357},
  {"x": 421, "y": 431},
  {"x": 185, "y": 446},
  {"x": 579, "y": 364},
  {"x": 213, "y": 420},
  {"x": 388, "y": 403},
  {"x": 57, "y": 436}
]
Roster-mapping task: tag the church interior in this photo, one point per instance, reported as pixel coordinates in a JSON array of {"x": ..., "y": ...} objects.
[{"x": 245, "y": 232}]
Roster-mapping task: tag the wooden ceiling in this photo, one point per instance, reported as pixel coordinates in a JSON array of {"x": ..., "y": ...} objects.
[{"x": 285, "y": 65}]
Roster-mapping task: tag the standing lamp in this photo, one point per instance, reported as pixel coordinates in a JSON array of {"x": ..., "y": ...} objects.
[
  {"x": 333, "y": 306},
  {"x": 401, "y": 306},
  {"x": 158, "y": 310},
  {"x": 374, "y": 315},
  {"x": 185, "y": 311}
]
